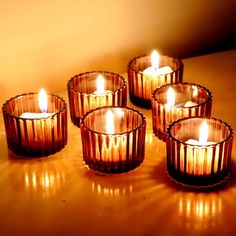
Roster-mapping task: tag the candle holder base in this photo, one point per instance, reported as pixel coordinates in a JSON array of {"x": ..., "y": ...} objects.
[
  {"x": 113, "y": 167},
  {"x": 42, "y": 150},
  {"x": 198, "y": 182}
]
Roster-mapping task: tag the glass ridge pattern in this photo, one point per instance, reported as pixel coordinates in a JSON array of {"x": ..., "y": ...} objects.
[
  {"x": 113, "y": 153},
  {"x": 163, "y": 116},
  {"x": 199, "y": 165},
  {"x": 142, "y": 86},
  {"x": 39, "y": 136},
  {"x": 82, "y": 86}
]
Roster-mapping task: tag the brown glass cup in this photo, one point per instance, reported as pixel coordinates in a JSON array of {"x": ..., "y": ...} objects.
[
  {"x": 82, "y": 93},
  {"x": 142, "y": 86},
  {"x": 163, "y": 115},
  {"x": 199, "y": 165},
  {"x": 35, "y": 137},
  {"x": 117, "y": 152}
]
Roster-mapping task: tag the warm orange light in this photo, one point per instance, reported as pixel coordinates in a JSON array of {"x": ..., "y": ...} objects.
[
  {"x": 110, "y": 122},
  {"x": 100, "y": 84},
  {"x": 43, "y": 100},
  {"x": 170, "y": 97},
  {"x": 203, "y": 133},
  {"x": 195, "y": 91},
  {"x": 155, "y": 58}
]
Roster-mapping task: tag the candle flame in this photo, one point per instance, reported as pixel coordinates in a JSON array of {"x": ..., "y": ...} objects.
[
  {"x": 170, "y": 97},
  {"x": 110, "y": 129},
  {"x": 155, "y": 58},
  {"x": 43, "y": 100},
  {"x": 100, "y": 84},
  {"x": 195, "y": 91},
  {"x": 203, "y": 134}
]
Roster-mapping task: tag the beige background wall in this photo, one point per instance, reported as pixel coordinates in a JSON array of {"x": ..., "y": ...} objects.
[{"x": 44, "y": 43}]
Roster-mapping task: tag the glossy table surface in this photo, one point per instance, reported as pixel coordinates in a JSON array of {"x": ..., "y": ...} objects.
[{"x": 58, "y": 195}]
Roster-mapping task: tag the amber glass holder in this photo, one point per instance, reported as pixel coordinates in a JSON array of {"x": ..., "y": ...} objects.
[
  {"x": 38, "y": 136},
  {"x": 118, "y": 152},
  {"x": 82, "y": 98},
  {"x": 163, "y": 115},
  {"x": 142, "y": 86},
  {"x": 199, "y": 165}
]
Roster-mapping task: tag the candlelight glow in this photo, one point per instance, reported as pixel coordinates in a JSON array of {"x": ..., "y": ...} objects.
[
  {"x": 110, "y": 122},
  {"x": 203, "y": 134},
  {"x": 195, "y": 91},
  {"x": 170, "y": 97},
  {"x": 199, "y": 210},
  {"x": 119, "y": 112},
  {"x": 100, "y": 84},
  {"x": 155, "y": 59},
  {"x": 43, "y": 101}
]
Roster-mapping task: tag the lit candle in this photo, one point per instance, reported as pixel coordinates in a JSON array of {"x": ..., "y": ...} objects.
[
  {"x": 199, "y": 150},
  {"x": 175, "y": 110},
  {"x": 95, "y": 89},
  {"x": 203, "y": 136},
  {"x": 154, "y": 75},
  {"x": 36, "y": 123},
  {"x": 171, "y": 102},
  {"x": 199, "y": 162},
  {"x": 100, "y": 82},
  {"x": 115, "y": 134},
  {"x": 146, "y": 73},
  {"x": 39, "y": 123},
  {"x": 154, "y": 70},
  {"x": 100, "y": 99},
  {"x": 43, "y": 106}
]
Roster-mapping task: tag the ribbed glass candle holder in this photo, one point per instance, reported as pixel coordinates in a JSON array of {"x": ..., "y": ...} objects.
[
  {"x": 113, "y": 139},
  {"x": 190, "y": 100},
  {"x": 192, "y": 161},
  {"x": 84, "y": 96},
  {"x": 141, "y": 86},
  {"x": 35, "y": 136}
]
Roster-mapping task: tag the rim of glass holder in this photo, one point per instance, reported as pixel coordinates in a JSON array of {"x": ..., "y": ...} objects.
[
  {"x": 71, "y": 87},
  {"x": 143, "y": 120},
  {"x": 210, "y": 96},
  {"x": 5, "y": 110}
]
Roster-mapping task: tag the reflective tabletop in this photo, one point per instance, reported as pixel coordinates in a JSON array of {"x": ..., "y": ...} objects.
[{"x": 59, "y": 195}]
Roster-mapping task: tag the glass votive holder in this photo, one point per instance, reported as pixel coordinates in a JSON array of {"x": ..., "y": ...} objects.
[
  {"x": 141, "y": 86},
  {"x": 171, "y": 102},
  {"x": 86, "y": 92},
  {"x": 113, "y": 139},
  {"x": 199, "y": 151},
  {"x": 40, "y": 134}
]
